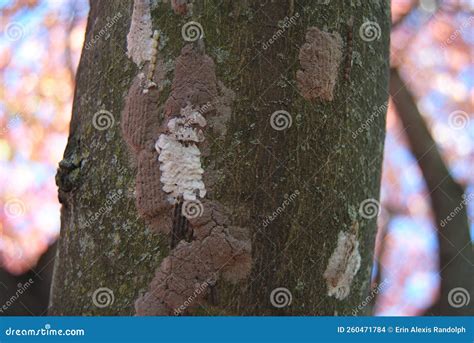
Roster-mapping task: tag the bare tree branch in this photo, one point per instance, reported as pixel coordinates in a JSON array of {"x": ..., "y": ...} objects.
[
  {"x": 448, "y": 202},
  {"x": 68, "y": 50}
]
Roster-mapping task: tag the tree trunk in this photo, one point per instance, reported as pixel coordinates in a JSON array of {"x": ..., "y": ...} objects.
[{"x": 291, "y": 155}]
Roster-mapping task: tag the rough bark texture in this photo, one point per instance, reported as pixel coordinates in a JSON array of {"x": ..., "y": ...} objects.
[{"x": 257, "y": 167}]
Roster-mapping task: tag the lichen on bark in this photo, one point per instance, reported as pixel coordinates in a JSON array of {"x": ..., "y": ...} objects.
[{"x": 255, "y": 165}]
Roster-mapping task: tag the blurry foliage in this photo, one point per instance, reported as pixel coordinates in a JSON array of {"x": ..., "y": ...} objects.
[
  {"x": 432, "y": 44},
  {"x": 40, "y": 45}
]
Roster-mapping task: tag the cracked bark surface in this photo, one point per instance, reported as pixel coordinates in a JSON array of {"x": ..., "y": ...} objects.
[{"x": 253, "y": 165}]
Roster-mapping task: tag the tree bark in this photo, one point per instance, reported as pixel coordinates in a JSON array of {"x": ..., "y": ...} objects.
[{"x": 319, "y": 157}]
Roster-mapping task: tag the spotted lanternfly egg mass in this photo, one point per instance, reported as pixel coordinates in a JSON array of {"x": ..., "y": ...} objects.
[
  {"x": 343, "y": 265},
  {"x": 180, "y": 158}
]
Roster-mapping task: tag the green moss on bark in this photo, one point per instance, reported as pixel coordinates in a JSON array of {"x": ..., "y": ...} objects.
[{"x": 257, "y": 165}]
